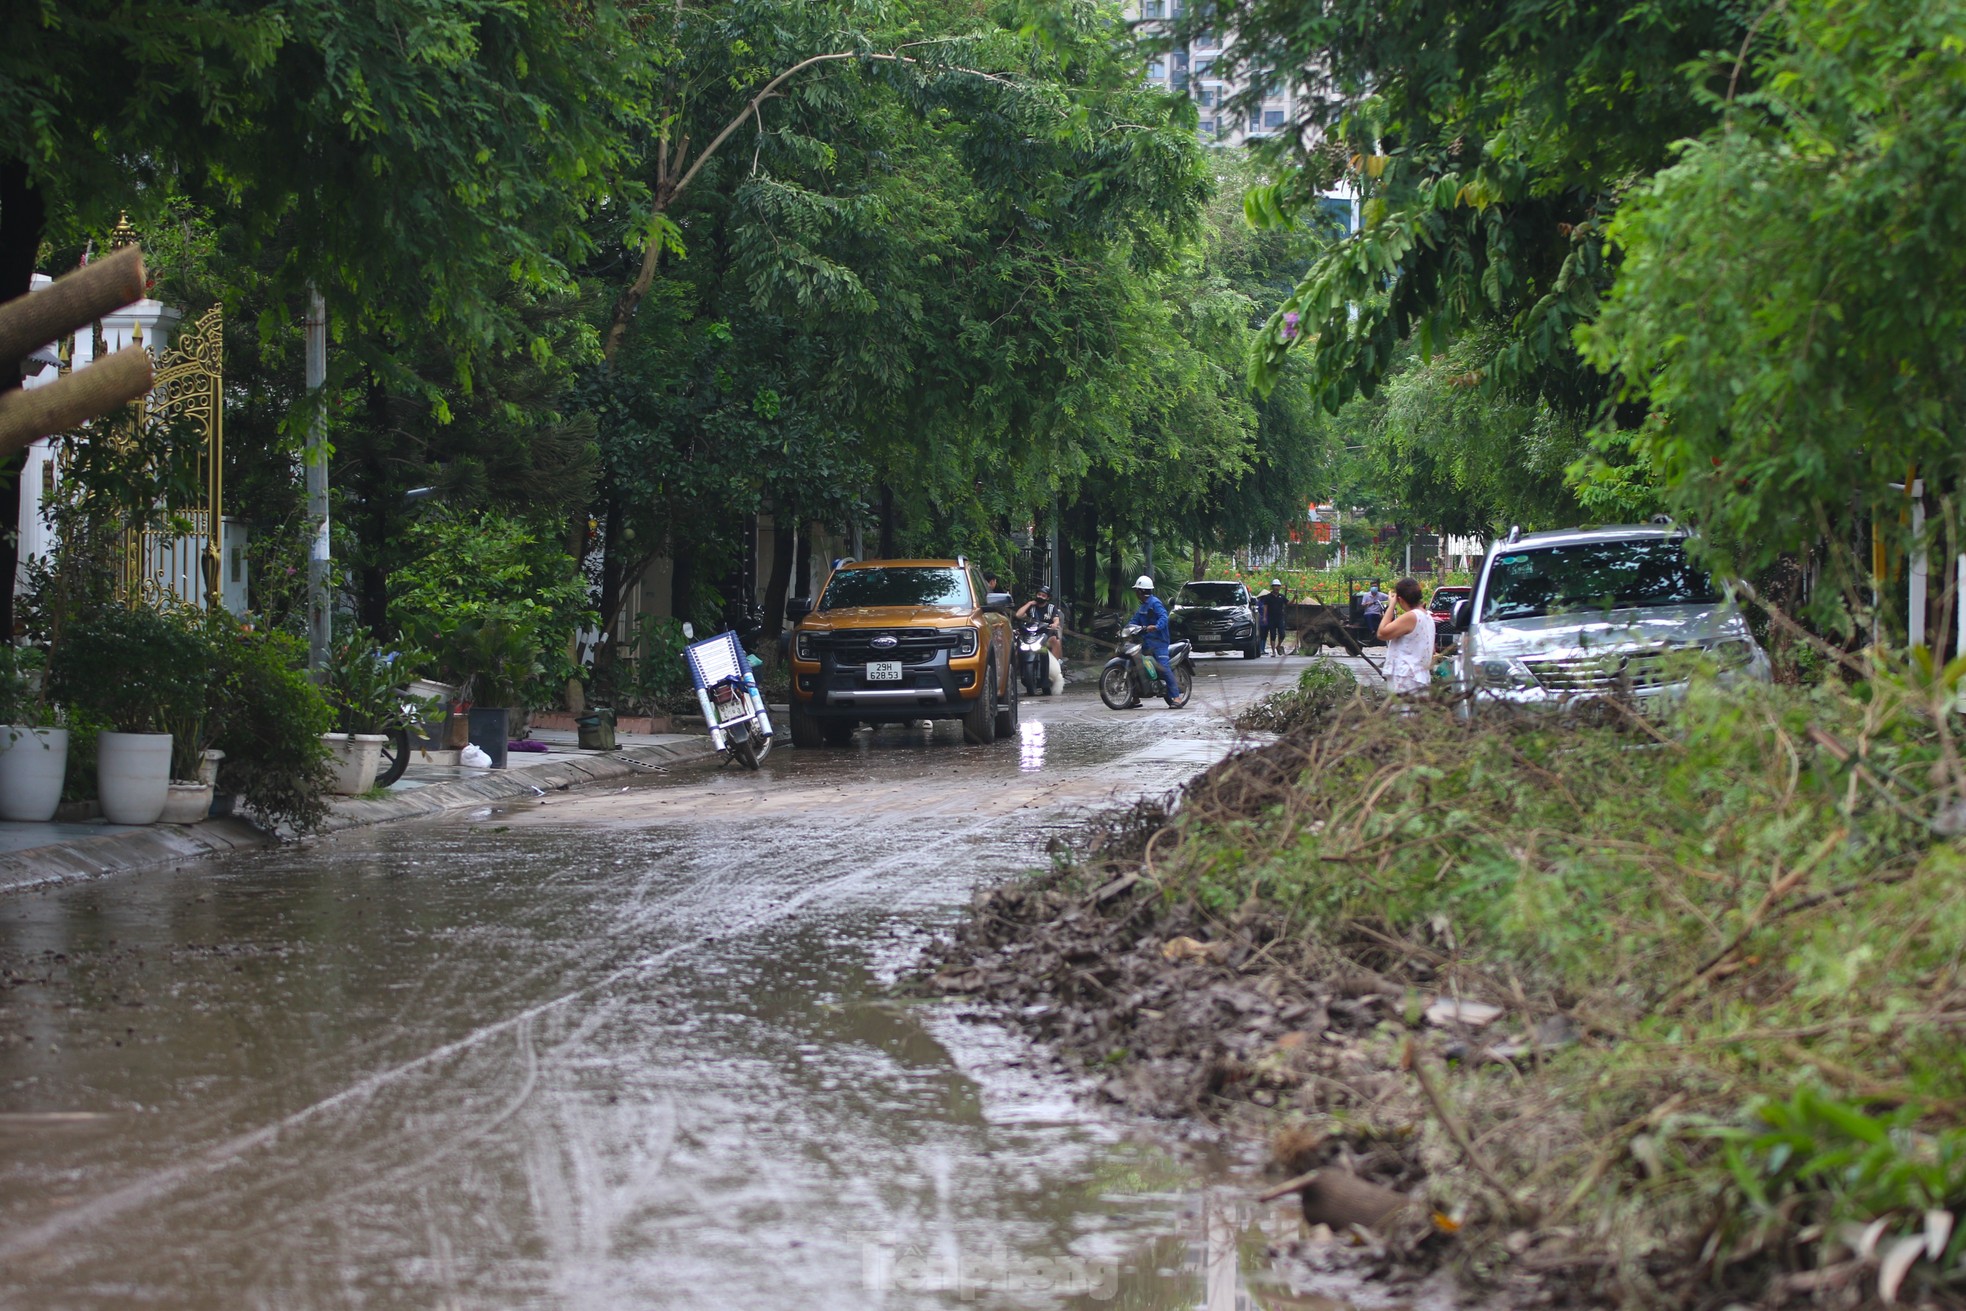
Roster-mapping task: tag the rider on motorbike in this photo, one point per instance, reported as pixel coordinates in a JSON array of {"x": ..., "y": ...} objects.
[
  {"x": 1041, "y": 610},
  {"x": 1153, "y": 621}
]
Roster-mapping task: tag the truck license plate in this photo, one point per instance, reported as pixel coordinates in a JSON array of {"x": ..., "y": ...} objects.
[{"x": 883, "y": 671}]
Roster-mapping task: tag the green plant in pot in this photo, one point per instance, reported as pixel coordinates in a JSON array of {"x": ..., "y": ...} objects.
[
  {"x": 498, "y": 656},
  {"x": 364, "y": 687},
  {"x": 33, "y": 746},
  {"x": 270, "y": 721},
  {"x": 140, "y": 671}
]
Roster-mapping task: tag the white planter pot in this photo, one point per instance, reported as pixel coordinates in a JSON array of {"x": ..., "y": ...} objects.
[
  {"x": 32, "y": 764},
  {"x": 355, "y": 757},
  {"x": 187, "y": 803},
  {"x": 133, "y": 776}
]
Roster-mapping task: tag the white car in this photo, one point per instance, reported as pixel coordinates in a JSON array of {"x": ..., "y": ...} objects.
[{"x": 1563, "y": 616}]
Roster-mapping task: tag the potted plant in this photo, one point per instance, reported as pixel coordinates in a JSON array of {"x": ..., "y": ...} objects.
[
  {"x": 364, "y": 689},
  {"x": 498, "y": 656},
  {"x": 33, "y": 748},
  {"x": 137, "y": 670}
]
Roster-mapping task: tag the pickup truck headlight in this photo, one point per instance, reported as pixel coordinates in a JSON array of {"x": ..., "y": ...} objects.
[
  {"x": 965, "y": 641},
  {"x": 1506, "y": 675},
  {"x": 802, "y": 647},
  {"x": 1734, "y": 653}
]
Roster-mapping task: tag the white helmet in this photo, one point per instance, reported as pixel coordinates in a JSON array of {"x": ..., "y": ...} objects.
[
  {"x": 1276, "y": 582},
  {"x": 1143, "y": 584}
]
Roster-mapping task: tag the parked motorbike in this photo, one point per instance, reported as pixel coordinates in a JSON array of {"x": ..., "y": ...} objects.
[
  {"x": 1037, "y": 668},
  {"x": 1130, "y": 676},
  {"x": 727, "y": 693}
]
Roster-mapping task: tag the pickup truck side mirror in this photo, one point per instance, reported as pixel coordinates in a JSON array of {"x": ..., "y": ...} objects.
[
  {"x": 1463, "y": 616},
  {"x": 998, "y": 601},
  {"x": 798, "y": 608}
]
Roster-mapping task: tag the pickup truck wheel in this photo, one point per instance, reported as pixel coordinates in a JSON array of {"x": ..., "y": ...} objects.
[
  {"x": 1007, "y": 713},
  {"x": 980, "y": 723},
  {"x": 806, "y": 735},
  {"x": 837, "y": 732}
]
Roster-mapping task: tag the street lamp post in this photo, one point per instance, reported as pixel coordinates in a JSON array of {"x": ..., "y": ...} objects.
[{"x": 318, "y": 553}]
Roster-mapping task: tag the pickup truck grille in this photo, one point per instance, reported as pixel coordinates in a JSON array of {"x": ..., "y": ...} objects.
[
  {"x": 1633, "y": 670},
  {"x": 856, "y": 646}
]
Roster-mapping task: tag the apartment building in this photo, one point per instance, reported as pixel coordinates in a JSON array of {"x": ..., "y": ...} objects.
[{"x": 1191, "y": 68}]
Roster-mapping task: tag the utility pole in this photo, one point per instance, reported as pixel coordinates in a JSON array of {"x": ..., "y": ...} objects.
[{"x": 318, "y": 555}]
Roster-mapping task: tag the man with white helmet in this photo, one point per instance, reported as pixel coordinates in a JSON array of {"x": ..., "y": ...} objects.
[
  {"x": 1272, "y": 614},
  {"x": 1153, "y": 621}
]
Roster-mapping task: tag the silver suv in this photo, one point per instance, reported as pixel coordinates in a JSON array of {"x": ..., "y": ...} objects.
[{"x": 1562, "y": 616}]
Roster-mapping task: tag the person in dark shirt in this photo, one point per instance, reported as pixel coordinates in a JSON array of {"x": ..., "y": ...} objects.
[
  {"x": 1272, "y": 614},
  {"x": 1043, "y": 609}
]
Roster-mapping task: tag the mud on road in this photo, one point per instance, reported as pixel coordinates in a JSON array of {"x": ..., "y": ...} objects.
[{"x": 632, "y": 1047}]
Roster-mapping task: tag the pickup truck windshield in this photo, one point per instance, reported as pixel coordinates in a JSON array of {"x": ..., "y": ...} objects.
[
  {"x": 918, "y": 585},
  {"x": 1594, "y": 576},
  {"x": 1212, "y": 594}
]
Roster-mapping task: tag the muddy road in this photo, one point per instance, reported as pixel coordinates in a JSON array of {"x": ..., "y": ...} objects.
[{"x": 623, "y": 1048}]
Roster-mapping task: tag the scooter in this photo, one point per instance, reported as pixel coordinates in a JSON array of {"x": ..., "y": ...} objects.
[
  {"x": 1036, "y": 666},
  {"x": 1130, "y": 676},
  {"x": 727, "y": 693}
]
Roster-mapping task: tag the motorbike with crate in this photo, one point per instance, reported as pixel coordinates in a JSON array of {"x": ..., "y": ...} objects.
[{"x": 727, "y": 693}]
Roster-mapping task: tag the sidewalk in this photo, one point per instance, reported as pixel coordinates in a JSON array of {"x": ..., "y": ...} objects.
[{"x": 40, "y": 855}]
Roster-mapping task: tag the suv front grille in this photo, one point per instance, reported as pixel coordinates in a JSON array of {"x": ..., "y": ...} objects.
[
  {"x": 1611, "y": 672},
  {"x": 912, "y": 646}
]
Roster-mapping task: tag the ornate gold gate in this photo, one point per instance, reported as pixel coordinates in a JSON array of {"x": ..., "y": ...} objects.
[{"x": 182, "y": 560}]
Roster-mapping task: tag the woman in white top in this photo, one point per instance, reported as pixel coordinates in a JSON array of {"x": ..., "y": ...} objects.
[{"x": 1408, "y": 632}]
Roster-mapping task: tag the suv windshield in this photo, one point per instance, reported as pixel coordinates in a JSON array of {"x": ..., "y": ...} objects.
[
  {"x": 918, "y": 585},
  {"x": 1211, "y": 594},
  {"x": 1594, "y": 576}
]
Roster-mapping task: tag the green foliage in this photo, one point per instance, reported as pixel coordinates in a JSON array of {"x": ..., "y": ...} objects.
[
  {"x": 363, "y": 685},
  {"x": 657, "y": 679},
  {"x": 270, "y": 728},
  {"x": 1322, "y": 689},
  {"x": 492, "y": 600},
  {"x": 133, "y": 669},
  {"x": 1787, "y": 306},
  {"x": 22, "y": 669},
  {"x": 1750, "y": 901}
]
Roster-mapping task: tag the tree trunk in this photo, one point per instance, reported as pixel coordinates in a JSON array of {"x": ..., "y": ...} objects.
[
  {"x": 1115, "y": 576},
  {"x": 777, "y": 584},
  {"x": 682, "y": 579},
  {"x": 803, "y": 581},
  {"x": 1089, "y": 555},
  {"x": 887, "y": 522},
  {"x": 611, "y": 557},
  {"x": 23, "y": 215}
]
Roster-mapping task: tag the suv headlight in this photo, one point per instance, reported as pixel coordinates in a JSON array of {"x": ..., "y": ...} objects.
[
  {"x": 802, "y": 646},
  {"x": 1734, "y": 653},
  {"x": 1506, "y": 675},
  {"x": 965, "y": 641}
]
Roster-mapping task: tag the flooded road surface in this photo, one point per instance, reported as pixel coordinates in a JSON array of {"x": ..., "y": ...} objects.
[{"x": 626, "y": 1048}]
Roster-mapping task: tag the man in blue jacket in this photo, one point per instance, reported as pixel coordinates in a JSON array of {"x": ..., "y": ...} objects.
[{"x": 1152, "y": 618}]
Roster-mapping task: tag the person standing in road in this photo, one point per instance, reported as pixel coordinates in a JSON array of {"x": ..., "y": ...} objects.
[
  {"x": 1373, "y": 604},
  {"x": 1408, "y": 632},
  {"x": 1272, "y": 613},
  {"x": 1153, "y": 621}
]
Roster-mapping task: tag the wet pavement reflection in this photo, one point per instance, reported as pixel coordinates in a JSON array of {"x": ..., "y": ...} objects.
[{"x": 622, "y": 1048}]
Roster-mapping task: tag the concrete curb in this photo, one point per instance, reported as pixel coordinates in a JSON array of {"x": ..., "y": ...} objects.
[
  {"x": 506, "y": 784},
  {"x": 126, "y": 850}
]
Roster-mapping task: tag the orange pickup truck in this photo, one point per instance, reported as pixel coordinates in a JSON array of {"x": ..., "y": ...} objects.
[{"x": 895, "y": 640}]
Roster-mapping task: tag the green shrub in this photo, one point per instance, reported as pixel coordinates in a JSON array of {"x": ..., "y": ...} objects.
[
  {"x": 364, "y": 686},
  {"x": 1322, "y": 689},
  {"x": 494, "y": 601},
  {"x": 270, "y": 728},
  {"x": 132, "y": 668}
]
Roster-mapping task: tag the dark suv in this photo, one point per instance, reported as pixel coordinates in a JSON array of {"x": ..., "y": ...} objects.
[
  {"x": 1217, "y": 616},
  {"x": 895, "y": 640}
]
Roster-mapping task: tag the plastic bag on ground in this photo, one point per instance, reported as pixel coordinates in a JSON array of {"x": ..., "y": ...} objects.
[{"x": 474, "y": 757}]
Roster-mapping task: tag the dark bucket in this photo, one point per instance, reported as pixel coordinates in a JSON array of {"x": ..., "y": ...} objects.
[{"x": 489, "y": 732}]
